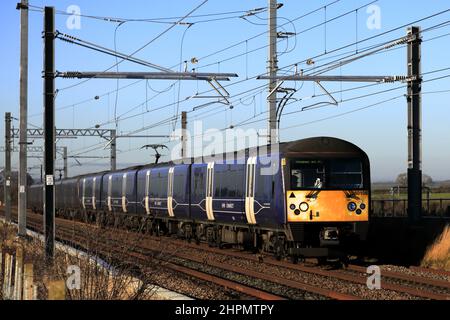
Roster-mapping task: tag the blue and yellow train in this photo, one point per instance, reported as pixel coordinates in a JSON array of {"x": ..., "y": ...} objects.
[{"x": 307, "y": 198}]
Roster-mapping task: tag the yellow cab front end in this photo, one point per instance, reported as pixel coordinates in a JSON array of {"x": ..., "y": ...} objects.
[{"x": 327, "y": 201}]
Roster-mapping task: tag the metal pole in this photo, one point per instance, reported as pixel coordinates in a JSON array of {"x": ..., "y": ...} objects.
[
  {"x": 66, "y": 174},
  {"x": 183, "y": 134},
  {"x": 7, "y": 172},
  {"x": 22, "y": 199},
  {"x": 414, "y": 126},
  {"x": 113, "y": 150},
  {"x": 49, "y": 131},
  {"x": 272, "y": 134}
]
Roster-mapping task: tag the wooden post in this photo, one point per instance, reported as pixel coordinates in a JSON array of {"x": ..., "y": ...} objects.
[
  {"x": 56, "y": 290},
  {"x": 18, "y": 275},
  {"x": 7, "y": 277},
  {"x": 35, "y": 293},
  {"x": 28, "y": 279},
  {"x": 2, "y": 271}
]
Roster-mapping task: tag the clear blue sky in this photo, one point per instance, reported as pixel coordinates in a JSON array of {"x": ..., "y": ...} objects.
[{"x": 379, "y": 130}]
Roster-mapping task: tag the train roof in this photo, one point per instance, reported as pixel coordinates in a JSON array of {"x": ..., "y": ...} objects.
[
  {"x": 322, "y": 145},
  {"x": 305, "y": 147}
]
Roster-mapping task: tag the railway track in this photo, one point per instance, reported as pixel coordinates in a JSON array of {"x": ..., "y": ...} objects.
[
  {"x": 258, "y": 284},
  {"x": 395, "y": 281},
  {"x": 426, "y": 284},
  {"x": 263, "y": 277},
  {"x": 247, "y": 282},
  {"x": 75, "y": 237},
  {"x": 431, "y": 271}
]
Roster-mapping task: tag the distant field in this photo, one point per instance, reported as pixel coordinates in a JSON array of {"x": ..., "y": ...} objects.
[
  {"x": 434, "y": 205},
  {"x": 404, "y": 196}
]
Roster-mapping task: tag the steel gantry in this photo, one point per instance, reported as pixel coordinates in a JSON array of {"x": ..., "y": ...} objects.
[
  {"x": 107, "y": 134},
  {"x": 49, "y": 134},
  {"x": 414, "y": 101}
]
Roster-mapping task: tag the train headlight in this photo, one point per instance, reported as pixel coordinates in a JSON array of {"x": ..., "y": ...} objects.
[
  {"x": 297, "y": 212},
  {"x": 351, "y": 206},
  {"x": 362, "y": 206},
  {"x": 358, "y": 212},
  {"x": 292, "y": 206},
  {"x": 304, "y": 206}
]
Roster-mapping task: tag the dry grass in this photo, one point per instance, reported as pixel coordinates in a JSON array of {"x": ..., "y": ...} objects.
[
  {"x": 117, "y": 282},
  {"x": 438, "y": 254}
]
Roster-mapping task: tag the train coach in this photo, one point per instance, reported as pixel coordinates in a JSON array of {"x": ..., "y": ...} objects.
[{"x": 306, "y": 198}]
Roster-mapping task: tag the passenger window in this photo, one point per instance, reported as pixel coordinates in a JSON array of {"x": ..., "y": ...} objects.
[{"x": 199, "y": 182}]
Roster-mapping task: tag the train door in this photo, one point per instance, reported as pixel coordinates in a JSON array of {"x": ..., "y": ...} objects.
[
  {"x": 124, "y": 192},
  {"x": 83, "y": 192},
  {"x": 209, "y": 190},
  {"x": 170, "y": 192},
  {"x": 94, "y": 204},
  {"x": 109, "y": 192},
  {"x": 250, "y": 190},
  {"x": 147, "y": 191}
]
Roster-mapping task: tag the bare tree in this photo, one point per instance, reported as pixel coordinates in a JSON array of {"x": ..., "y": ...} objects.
[{"x": 402, "y": 180}]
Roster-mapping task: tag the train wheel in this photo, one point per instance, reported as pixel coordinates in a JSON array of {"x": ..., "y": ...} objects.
[
  {"x": 256, "y": 243},
  {"x": 279, "y": 250},
  {"x": 211, "y": 236},
  {"x": 196, "y": 235},
  {"x": 110, "y": 219},
  {"x": 142, "y": 224},
  {"x": 116, "y": 222},
  {"x": 294, "y": 259},
  {"x": 278, "y": 245},
  {"x": 344, "y": 260},
  {"x": 219, "y": 238},
  {"x": 85, "y": 217},
  {"x": 99, "y": 220},
  {"x": 152, "y": 223},
  {"x": 157, "y": 229}
]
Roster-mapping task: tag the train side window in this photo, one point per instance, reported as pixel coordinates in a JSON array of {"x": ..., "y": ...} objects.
[
  {"x": 199, "y": 183},
  {"x": 240, "y": 182},
  {"x": 131, "y": 181},
  {"x": 154, "y": 185},
  {"x": 179, "y": 183},
  {"x": 233, "y": 179},
  {"x": 263, "y": 185},
  {"x": 164, "y": 181},
  {"x": 225, "y": 182},
  {"x": 141, "y": 181},
  {"x": 217, "y": 181}
]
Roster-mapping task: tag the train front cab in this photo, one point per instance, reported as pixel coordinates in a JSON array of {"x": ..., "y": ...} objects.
[{"x": 327, "y": 197}]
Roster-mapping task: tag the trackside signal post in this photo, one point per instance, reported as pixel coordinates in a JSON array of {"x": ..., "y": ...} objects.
[
  {"x": 113, "y": 150},
  {"x": 414, "y": 99},
  {"x": 23, "y": 141},
  {"x": 272, "y": 60},
  {"x": 7, "y": 171},
  {"x": 183, "y": 135},
  {"x": 49, "y": 131}
]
